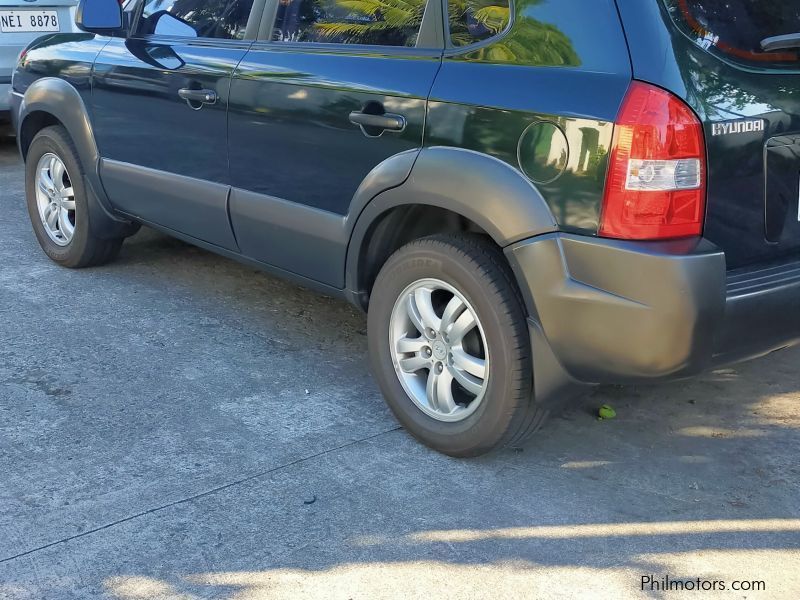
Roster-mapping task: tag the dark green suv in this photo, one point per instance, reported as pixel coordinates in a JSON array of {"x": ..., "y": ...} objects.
[{"x": 526, "y": 195}]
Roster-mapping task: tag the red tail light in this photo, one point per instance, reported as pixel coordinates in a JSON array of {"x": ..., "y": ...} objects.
[{"x": 656, "y": 182}]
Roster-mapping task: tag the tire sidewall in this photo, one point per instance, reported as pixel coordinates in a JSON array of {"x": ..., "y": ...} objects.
[
  {"x": 482, "y": 429},
  {"x": 51, "y": 140}
]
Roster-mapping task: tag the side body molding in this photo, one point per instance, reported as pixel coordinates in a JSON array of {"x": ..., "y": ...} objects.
[
  {"x": 58, "y": 98},
  {"x": 305, "y": 240},
  {"x": 479, "y": 187}
]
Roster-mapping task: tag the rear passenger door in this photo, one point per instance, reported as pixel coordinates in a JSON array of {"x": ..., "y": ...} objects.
[
  {"x": 160, "y": 99},
  {"x": 331, "y": 89}
]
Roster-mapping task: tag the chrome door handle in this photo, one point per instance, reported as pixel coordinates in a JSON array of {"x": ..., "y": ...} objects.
[
  {"x": 198, "y": 96},
  {"x": 384, "y": 122}
]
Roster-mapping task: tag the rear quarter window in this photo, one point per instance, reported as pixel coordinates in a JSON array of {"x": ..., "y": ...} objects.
[
  {"x": 583, "y": 34},
  {"x": 472, "y": 21},
  {"x": 735, "y": 30}
]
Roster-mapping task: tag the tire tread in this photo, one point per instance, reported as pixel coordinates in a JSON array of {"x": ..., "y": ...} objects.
[
  {"x": 524, "y": 415},
  {"x": 95, "y": 251}
]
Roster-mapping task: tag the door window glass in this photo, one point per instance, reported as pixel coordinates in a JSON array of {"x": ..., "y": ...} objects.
[
  {"x": 224, "y": 19},
  {"x": 374, "y": 22},
  {"x": 476, "y": 20}
]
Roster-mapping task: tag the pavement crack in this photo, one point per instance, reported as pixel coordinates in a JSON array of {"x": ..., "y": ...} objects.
[{"x": 213, "y": 490}]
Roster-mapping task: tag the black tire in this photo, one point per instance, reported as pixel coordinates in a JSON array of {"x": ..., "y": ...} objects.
[
  {"x": 475, "y": 267},
  {"x": 84, "y": 249}
]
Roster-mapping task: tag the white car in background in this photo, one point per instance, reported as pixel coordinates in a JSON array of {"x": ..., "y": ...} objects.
[{"x": 21, "y": 22}]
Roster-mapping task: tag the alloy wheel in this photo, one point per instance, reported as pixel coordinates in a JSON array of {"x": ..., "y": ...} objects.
[
  {"x": 439, "y": 350},
  {"x": 55, "y": 199}
]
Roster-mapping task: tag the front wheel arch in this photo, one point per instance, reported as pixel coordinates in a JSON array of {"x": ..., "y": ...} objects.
[
  {"x": 51, "y": 101},
  {"x": 32, "y": 124}
]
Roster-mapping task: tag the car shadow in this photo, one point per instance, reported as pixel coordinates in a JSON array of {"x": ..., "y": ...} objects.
[{"x": 693, "y": 478}]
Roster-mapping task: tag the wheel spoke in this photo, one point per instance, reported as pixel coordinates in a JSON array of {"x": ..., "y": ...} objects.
[
  {"x": 57, "y": 173},
  {"x": 453, "y": 309},
  {"x": 42, "y": 185},
  {"x": 65, "y": 225},
  {"x": 439, "y": 390},
  {"x": 51, "y": 171},
  {"x": 408, "y": 345},
  {"x": 471, "y": 364},
  {"x": 414, "y": 364},
  {"x": 413, "y": 314},
  {"x": 424, "y": 304},
  {"x": 462, "y": 326},
  {"x": 45, "y": 181},
  {"x": 470, "y": 383},
  {"x": 51, "y": 216},
  {"x": 430, "y": 390},
  {"x": 68, "y": 194},
  {"x": 444, "y": 387}
]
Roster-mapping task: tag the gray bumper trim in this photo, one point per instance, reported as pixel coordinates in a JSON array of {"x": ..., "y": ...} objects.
[
  {"x": 614, "y": 311},
  {"x": 762, "y": 311}
]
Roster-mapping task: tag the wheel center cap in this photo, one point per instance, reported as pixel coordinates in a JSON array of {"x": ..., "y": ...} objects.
[{"x": 439, "y": 350}]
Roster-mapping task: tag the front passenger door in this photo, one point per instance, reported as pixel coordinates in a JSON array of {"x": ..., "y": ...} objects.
[{"x": 159, "y": 101}]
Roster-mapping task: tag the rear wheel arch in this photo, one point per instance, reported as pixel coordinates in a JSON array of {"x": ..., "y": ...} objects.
[
  {"x": 392, "y": 229},
  {"x": 449, "y": 190}
]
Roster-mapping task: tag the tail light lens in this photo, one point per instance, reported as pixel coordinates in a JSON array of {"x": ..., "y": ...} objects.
[{"x": 655, "y": 187}]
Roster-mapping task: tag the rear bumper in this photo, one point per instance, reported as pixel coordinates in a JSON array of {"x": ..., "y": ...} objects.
[
  {"x": 609, "y": 311},
  {"x": 762, "y": 311}
]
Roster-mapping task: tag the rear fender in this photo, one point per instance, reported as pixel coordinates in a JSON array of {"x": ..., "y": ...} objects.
[{"x": 490, "y": 193}]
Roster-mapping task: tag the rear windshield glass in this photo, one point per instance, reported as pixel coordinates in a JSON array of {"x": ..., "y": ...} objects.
[{"x": 740, "y": 30}]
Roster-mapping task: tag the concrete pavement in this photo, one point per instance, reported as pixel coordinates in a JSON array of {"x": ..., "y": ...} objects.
[{"x": 176, "y": 425}]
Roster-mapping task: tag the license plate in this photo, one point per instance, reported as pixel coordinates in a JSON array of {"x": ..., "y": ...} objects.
[{"x": 22, "y": 21}]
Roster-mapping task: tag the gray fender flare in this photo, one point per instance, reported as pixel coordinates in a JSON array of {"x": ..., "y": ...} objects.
[
  {"x": 487, "y": 191},
  {"x": 61, "y": 100}
]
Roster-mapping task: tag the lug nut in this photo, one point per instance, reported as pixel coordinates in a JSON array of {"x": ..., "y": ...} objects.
[
  {"x": 439, "y": 368},
  {"x": 431, "y": 333},
  {"x": 426, "y": 352}
]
